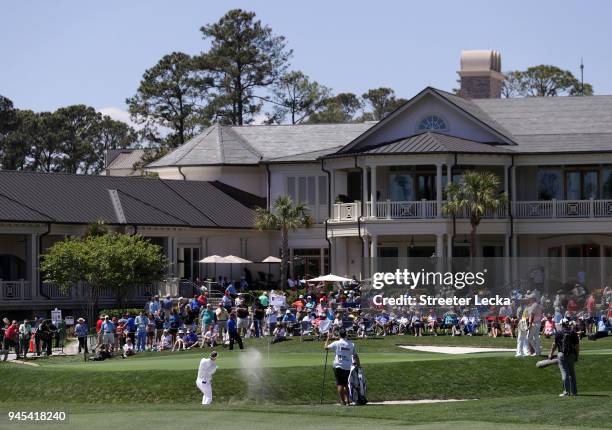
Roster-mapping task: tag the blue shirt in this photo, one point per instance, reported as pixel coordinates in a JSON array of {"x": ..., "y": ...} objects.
[
  {"x": 108, "y": 327},
  {"x": 154, "y": 307},
  {"x": 141, "y": 323},
  {"x": 167, "y": 303},
  {"x": 130, "y": 325},
  {"x": 81, "y": 330},
  {"x": 289, "y": 318},
  {"x": 231, "y": 326}
]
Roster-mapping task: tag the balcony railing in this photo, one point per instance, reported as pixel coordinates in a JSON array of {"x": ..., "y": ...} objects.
[
  {"x": 15, "y": 290},
  {"x": 563, "y": 209},
  {"x": 424, "y": 209}
]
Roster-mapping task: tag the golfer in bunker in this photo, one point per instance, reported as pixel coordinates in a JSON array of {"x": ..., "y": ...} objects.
[
  {"x": 344, "y": 351},
  {"x": 205, "y": 372}
]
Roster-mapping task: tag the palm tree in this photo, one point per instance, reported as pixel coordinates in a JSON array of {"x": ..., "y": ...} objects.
[
  {"x": 286, "y": 216},
  {"x": 476, "y": 194}
]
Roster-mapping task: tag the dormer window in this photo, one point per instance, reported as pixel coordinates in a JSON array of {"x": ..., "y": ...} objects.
[{"x": 432, "y": 122}]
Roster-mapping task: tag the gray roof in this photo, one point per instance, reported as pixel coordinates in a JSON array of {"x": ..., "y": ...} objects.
[
  {"x": 123, "y": 158},
  {"x": 81, "y": 199},
  {"x": 431, "y": 142},
  {"x": 248, "y": 145}
]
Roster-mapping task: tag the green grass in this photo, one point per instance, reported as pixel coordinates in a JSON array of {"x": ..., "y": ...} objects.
[{"x": 159, "y": 388}]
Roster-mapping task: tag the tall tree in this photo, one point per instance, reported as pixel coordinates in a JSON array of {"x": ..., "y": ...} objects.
[
  {"x": 477, "y": 193},
  {"x": 297, "y": 97},
  {"x": 111, "y": 134},
  {"x": 170, "y": 97},
  {"x": 244, "y": 56},
  {"x": 12, "y": 154},
  {"x": 380, "y": 102},
  {"x": 338, "y": 109},
  {"x": 285, "y": 216},
  {"x": 544, "y": 81}
]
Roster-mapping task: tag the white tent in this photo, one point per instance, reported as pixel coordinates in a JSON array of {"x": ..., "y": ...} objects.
[
  {"x": 213, "y": 259},
  {"x": 232, "y": 259},
  {"x": 329, "y": 278},
  {"x": 271, "y": 259}
]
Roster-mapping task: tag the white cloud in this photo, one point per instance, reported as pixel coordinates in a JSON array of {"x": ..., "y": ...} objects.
[{"x": 119, "y": 115}]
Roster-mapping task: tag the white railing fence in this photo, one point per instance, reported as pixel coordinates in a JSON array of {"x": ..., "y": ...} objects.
[{"x": 347, "y": 211}]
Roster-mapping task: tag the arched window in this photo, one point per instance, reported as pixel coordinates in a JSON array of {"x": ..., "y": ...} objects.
[{"x": 432, "y": 122}]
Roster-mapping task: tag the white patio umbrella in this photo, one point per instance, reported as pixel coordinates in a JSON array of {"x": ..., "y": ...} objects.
[
  {"x": 232, "y": 259},
  {"x": 329, "y": 278},
  {"x": 271, "y": 259},
  {"x": 213, "y": 259}
]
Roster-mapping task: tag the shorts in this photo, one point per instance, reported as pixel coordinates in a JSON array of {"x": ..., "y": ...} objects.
[
  {"x": 108, "y": 338},
  {"x": 341, "y": 375},
  {"x": 243, "y": 323}
]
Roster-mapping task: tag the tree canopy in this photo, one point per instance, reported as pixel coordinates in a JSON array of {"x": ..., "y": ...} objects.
[
  {"x": 244, "y": 56},
  {"x": 296, "y": 97},
  {"x": 170, "y": 100},
  {"x": 103, "y": 260},
  {"x": 380, "y": 102},
  {"x": 543, "y": 81},
  {"x": 72, "y": 139}
]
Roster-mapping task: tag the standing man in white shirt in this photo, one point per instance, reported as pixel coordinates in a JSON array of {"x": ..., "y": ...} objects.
[
  {"x": 208, "y": 367},
  {"x": 535, "y": 312},
  {"x": 344, "y": 351}
]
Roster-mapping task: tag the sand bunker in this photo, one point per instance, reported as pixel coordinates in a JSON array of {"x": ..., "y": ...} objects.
[
  {"x": 454, "y": 349},
  {"x": 416, "y": 402}
]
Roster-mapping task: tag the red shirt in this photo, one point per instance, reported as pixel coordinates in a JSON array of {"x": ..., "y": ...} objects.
[
  {"x": 99, "y": 326},
  {"x": 12, "y": 332}
]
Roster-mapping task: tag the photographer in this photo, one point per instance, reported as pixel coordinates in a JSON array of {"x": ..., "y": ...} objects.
[{"x": 568, "y": 345}]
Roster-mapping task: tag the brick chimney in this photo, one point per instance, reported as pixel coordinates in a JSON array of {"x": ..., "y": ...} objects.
[{"x": 480, "y": 73}]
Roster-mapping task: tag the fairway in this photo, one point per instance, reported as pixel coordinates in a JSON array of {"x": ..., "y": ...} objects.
[{"x": 266, "y": 386}]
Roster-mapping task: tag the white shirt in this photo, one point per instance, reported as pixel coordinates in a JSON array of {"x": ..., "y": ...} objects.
[
  {"x": 206, "y": 369},
  {"x": 344, "y": 349}
]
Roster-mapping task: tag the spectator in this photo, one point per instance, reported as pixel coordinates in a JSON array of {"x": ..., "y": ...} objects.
[
  {"x": 549, "y": 327},
  {"x": 108, "y": 329},
  {"x": 142, "y": 323},
  {"x": 81, "y": 331},
  {"x": 150, "y": 331},
  {"x": 154, "y": 305},
  {"x": 11, "y": 339},
  {"x": 233, "y": 332},
  {"x": 130, "y": 325},
  {"x": 179, "y": 343},
  {"x": 259, "y": 314},
  {"x": 242, "y": 312},
  {"x": 264, "y": 300},
  {"x": 166, "y": 341},
  {"x": 166, "y": 306},
  {"x": 191, "y": 339},
  {"x": 210, "y": 337},
  {"x": 128, "y": 348},
  {"x": 280, "y": 333},
  {"x": 222, "y": 317},
  {"x": 173, "y": 323},
  {"x": 207, "y": 319},
  {"x": 25, "y": 333}
]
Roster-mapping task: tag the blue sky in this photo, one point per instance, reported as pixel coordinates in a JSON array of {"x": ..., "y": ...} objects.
[{"x": 56, "y": 53}]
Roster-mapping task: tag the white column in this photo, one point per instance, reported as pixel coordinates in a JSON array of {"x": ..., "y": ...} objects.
[
  {"x": 373, "y": 190},
  {"x": 332, "y": 256},
  {"x": 366, "y": 257},
  {"x": 602, "y": 264},
  {"x": 507, "y": 258},
  {"x": 439, "y": 252},
  {"x": 438, "y": 191},
  {"x": 33, "y": 263},
  {"x": 373, "y": 254},
  {"x": 515, "y": 268},
  {"x": 364, "y": 191}
]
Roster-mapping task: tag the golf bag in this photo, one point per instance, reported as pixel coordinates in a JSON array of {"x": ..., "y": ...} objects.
[{"x": 357, "y": 386}]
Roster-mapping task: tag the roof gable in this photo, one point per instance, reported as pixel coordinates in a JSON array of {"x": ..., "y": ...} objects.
[{"x": 464, "y": 119}]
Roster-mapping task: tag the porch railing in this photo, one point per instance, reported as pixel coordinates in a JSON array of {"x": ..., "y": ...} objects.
[
  {"x": 522, "y": 209},
  {"x": 563, "y": 209},
  {"x": 15, "y": 290},
  {"x": 347, "y": 211}
]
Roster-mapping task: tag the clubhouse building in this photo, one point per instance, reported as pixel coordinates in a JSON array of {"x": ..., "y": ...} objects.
[{"x": 374, "y": 189}]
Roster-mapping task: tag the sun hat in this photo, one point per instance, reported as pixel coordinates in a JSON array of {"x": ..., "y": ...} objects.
[{"x": 81, "y": 320}]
